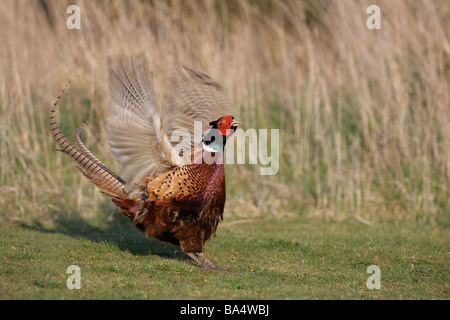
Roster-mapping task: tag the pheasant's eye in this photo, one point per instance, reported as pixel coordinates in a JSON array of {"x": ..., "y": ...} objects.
[{"x": 223, "y": 121}]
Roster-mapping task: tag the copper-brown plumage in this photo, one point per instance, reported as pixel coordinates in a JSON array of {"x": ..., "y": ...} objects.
[{"x": 178, "y": 199}]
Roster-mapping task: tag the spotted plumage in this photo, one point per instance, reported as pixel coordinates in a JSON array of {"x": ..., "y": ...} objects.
[{"x": 177, "y": 199}]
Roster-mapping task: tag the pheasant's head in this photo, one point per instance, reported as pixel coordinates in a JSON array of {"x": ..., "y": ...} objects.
[{"x": 214, "y": 140}]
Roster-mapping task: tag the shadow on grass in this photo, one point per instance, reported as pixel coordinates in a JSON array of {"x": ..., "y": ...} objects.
[{"x": 114, "y": 229}]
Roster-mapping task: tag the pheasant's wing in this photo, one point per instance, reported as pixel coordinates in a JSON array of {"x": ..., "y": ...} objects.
[
  {"x": 199, "y": 98},
  {"x": 139, "y": 134},
  {"x": 134, "y": 128}
]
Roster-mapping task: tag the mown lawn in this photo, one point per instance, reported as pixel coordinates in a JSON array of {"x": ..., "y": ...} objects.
[{"x": 282, "y": 258}]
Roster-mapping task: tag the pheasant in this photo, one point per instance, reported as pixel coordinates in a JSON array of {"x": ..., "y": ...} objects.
[{"x": 175, "y": 192}]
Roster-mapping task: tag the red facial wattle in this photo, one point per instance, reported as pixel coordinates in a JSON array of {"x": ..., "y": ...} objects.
[{"x": 223, "y": 125}]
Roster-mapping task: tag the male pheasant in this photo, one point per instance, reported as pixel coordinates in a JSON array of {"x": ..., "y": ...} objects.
[{"x": 175, "y": 191}]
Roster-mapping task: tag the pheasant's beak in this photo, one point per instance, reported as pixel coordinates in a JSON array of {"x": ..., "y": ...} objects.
[{"x": 234, "y": 124}]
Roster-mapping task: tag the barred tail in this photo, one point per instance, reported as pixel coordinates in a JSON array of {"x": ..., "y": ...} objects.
[
  {"x": 84, "y": 149},
  {"x": 89, "y": 164}
]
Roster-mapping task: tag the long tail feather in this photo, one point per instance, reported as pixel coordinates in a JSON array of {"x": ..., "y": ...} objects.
[
  {"x": 89, "y": 165},
  {"x": 84, "y": 149}
]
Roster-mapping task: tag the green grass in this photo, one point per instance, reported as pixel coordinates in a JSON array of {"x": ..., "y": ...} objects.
[{"x": 299, "y": 258}]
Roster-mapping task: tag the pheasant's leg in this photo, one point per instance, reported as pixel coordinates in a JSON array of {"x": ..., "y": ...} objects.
[
  {"x": 207, "y": 263},
  {"x": 211, "y": 263},
  {"x": 201, "y": 264}
]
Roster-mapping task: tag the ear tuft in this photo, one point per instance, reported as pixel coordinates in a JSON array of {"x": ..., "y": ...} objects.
[{"x": 213, "y": 122}]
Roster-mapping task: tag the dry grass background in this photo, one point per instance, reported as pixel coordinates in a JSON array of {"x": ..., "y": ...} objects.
[{"x": 364, "y": 115}]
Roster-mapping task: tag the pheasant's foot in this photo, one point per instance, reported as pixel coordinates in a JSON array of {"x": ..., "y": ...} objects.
[
  {"x": 207, "y": 263},
  {"x": 211, "y": 263}
]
